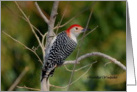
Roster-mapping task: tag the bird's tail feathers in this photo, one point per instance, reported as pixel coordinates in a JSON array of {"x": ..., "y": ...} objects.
[{"x": 46, "y": 72}]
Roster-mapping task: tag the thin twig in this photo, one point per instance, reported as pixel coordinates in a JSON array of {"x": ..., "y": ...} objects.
[
  {"x": 77, "y": 14},
  {"x": 88, "y": 33},
  {"x": 45, "y": 19},
  {"x": 62, "y": 17},
  {"x": 77, "y": 69},
  {"x": 76, "y": 79},
  {"x": 83, "y": 73},
  {"x": 97, "y": 54},
  {"x": 72, "y": 73},
  {"x": 107, "y": 64},
  {"x": 79, "y": 47},
  {"x": 41, "y": 13},
  {"x": 16, "y": 82},
  {"x": 57, "y": 86},
  {"x": 43, "y": 39},
  {"x": 23, "y": 46},
  {"x": 33, "y": 26},
  {"x": 34, "y": 89},
  {"x": 22, "y": 18},
  {"x": 42, "y": 47}
]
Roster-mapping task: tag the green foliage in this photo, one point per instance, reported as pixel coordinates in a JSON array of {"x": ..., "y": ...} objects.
[{"x": 108, "y": 38}]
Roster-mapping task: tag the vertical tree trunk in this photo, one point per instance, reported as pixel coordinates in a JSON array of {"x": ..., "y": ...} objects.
[
  {"x": 45, "y": 85},
  {"x": 45, "y": 82}
]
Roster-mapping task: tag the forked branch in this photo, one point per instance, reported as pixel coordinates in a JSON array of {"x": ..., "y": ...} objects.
[
  {"x": 32, "y": 28},
  {"x": 49, "y": 36},
  {"x": 24, "y": 46},
  {"x": 45, "y": 85},
  {"x": 97, "y": 54},
  {"x": 51, "y": 33},
  {"x": 77, "y": 78}
]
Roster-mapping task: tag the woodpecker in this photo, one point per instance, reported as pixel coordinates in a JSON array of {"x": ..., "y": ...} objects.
[{"x": 60, "y": 48}]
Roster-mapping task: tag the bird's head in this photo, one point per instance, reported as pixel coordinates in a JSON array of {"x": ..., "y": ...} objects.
[{"x": 74, "y": 30}]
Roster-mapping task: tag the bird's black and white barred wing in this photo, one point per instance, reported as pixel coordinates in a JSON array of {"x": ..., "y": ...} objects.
[{"x": 61, "y": 47}]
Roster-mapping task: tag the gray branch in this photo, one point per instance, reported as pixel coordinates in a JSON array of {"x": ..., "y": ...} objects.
[
  {"x": 41, "y": 13},
  {"x": 97, "y": 54},
  {"x": 17, "y": 81},
  {"x": 50, "y": 35}
]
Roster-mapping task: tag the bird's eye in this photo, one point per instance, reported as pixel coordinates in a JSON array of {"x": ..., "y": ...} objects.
[{"x": 76, "y": 28}]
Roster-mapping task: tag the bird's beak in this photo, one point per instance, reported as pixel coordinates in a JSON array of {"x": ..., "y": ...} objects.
[{"x": 85, "y": 29}]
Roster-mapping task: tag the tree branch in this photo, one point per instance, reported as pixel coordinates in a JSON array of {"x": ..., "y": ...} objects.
[
  {"x": 76, "y": 79},
  {"x": 96, "y": 54},
  {"x": 24, "y": 46},
  {"x": 42, "y": 47},
  {"x": 34, "y": 89},
  {"x": 23, "y": 19},
  {"x": 77, "y": 14},
  {"x": 59, "y": 23},
  {"x": 76, "y": 70},
  {"x": 50, "y": 35},
  {"x": 13, "y": 12},
  {"x": 34, "y": 27},
  {"x": 41, "y": 13},
  {"x": 16, "y": 82},
  {"x": 79, "y": 47},
  {"x": 88, "y": 33}
]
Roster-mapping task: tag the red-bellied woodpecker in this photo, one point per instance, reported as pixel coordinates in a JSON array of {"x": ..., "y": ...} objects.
[{"x": 60, "y": 48}]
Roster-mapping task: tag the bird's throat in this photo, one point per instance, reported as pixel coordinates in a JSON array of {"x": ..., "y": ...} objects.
[{"x": 73, "y": 37}]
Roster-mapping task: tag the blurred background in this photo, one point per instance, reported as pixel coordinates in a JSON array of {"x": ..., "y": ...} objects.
[{"x": 109, "y": 38}]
